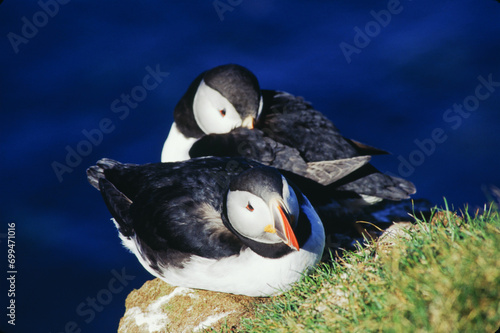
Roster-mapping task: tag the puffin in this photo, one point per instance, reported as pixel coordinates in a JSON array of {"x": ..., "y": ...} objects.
[
  {"x": 223, "y": 224},
  {"x": 225, "y": 113}
]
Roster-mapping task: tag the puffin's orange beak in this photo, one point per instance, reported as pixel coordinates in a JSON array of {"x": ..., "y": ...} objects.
[
  {"x": 248, "y": 122},
  {"x": 282, "y": 226},
  {"x": 290, "y": 238}
]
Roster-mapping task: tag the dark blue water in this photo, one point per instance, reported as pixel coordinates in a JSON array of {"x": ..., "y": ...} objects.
[{"x": 420, "y": 79}]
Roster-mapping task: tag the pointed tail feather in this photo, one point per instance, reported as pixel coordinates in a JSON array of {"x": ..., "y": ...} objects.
[
  {"x": 379, "y": 185},
  {"x": 118, "y": 203},
  {"x": 119, "y": 206}
]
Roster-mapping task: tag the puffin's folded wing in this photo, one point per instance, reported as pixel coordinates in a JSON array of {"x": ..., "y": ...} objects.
[
  {"x": 328, "y": 172},
  {"x": 253, "y": 144},
  {"x": 250, "y": 144}
]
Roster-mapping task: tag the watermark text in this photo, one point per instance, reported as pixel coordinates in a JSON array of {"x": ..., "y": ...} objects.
[
  {"x": 30, "y": 27},
  {"x": 11, "y": 273},
  {"x": 453, "y": 117},
  {"x": 121, "y": 107}
]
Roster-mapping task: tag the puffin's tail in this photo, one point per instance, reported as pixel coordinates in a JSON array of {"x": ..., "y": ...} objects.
[
  {"x": 117, "y": 202},
  {"x": 363, "y": 186},
  {"x": 96, "y": 172},
  {"x": 374, "y": 186}
]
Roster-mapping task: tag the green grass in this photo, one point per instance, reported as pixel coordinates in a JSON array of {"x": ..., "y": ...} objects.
[{"x": 435, "y": 277}]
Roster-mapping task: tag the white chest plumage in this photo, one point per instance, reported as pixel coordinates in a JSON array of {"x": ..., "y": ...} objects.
[{"x": 176, "y": 147}]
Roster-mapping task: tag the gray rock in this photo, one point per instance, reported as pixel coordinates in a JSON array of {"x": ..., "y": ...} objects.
[{"x": 159, "y": 307}]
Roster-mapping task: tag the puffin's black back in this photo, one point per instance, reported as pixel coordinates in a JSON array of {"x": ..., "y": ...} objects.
[
  {"x": 173, "y": 206},
  {"x": 291, "y": 121}
]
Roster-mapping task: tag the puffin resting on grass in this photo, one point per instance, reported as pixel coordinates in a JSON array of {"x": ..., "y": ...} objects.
[
  {"x": 221, "y": 224},
  {"x": 225, "y": 113}
]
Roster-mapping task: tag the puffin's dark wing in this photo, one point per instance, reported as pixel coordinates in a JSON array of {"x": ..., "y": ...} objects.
[
  {"x": 291, "y": 120},
  {"x": 171, "y": 207},
  {"x": 253, "y": 144},
  {"x": 329, "y": 172},
  {"x": 294, "y": 122},
  {"x": 250, "y": 144},
  {"x": 173, "y": 219}
]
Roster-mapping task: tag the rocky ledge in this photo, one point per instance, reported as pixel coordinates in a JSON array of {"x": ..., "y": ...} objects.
[{"x": 159, "y": 307}]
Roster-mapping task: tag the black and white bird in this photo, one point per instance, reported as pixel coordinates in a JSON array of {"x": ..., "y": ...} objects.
[
  {"x": 221, "y": 224},
  {"x": 224, "y": 113}
]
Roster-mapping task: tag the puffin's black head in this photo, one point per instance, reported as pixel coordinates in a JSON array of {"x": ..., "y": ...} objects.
[
  {"x": 218, "y": 100},
  {"x": 262, "y": 209},
  {"x": 239, "y": 86},
  {"x": 264, "y": 182}
]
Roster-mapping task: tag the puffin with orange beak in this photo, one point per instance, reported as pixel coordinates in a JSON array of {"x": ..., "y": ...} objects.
[{"x": 222, "y": 224}]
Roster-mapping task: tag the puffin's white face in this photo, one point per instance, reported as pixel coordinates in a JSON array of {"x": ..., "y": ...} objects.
[
  {"x": 214, "y": 113},
  {"x": 265, "y": 222}
]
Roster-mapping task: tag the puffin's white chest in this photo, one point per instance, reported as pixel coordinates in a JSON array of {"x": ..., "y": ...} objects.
[{"x": 176, "y": 147}]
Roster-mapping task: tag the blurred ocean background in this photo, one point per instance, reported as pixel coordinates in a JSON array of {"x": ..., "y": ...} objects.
[{"x": 420, "y": 79}]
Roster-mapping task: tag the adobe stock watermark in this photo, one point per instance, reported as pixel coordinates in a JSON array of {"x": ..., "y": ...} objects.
[
  {"x": 29, "y": 28},
  {"x": 453, "y": 117},
  {"x": 95, "y": 136},
  {"x": 221, "y": 6},
  {"x": 88, "y": 309},
  {"x": 363, "y": 37}
]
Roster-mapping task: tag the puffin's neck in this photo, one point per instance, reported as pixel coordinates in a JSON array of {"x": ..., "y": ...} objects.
[{"x": 176, "y": 147}]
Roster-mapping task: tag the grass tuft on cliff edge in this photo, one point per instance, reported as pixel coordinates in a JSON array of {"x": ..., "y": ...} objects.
[{"x": 441, "y": 275}]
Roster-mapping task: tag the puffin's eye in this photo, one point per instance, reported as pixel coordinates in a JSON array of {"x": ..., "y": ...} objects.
[
  {"x": 249, "y": 207},
  {"x": 222, "y": 112}
]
